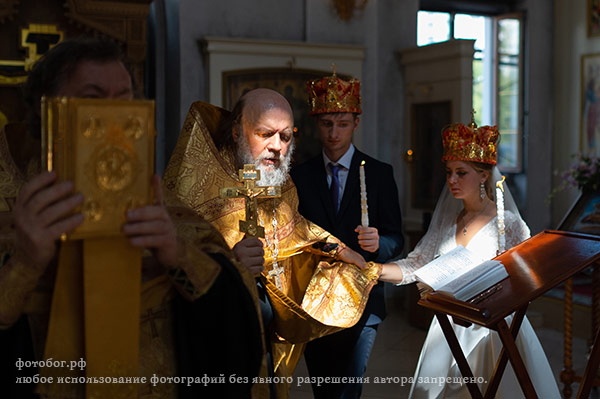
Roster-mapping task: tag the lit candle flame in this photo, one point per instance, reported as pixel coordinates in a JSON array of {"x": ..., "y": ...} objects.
[{"x": 499, "y": 183}]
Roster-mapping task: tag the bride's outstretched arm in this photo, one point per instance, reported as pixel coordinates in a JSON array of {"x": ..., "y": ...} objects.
[
  {"x": 401, "y": 272},
  {"x": 391, "y": 273}
]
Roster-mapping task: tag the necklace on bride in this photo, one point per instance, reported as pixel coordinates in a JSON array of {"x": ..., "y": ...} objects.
[{"x": 466, "y": 224}]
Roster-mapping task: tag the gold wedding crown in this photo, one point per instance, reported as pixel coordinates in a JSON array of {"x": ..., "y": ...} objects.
[
  {"x": 470, "y": 143},
  {"x": 332, "y": 94}
]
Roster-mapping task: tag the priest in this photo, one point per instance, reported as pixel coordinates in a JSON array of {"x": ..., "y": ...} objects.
[{"x": 309, "y": 283}]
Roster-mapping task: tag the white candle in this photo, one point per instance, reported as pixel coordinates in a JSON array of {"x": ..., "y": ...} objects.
[
  {"x": 363, "y": 196},
  {"x": 500, "y": 215}
]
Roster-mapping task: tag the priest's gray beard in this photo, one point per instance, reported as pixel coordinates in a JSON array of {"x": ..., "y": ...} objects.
[{"x": 269, "y": 176}]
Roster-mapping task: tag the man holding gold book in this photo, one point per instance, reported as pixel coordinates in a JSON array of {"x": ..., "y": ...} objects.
[
  {"x": 354, "y": 197},
  {"x": 307, "y": 280},
  {"x": 92, "y": 299}
]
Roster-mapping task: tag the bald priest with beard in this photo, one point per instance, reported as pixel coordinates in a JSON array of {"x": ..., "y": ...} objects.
[{"x": 324, "y": 285}]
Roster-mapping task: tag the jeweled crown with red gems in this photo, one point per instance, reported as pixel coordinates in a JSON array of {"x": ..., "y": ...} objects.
[
  {"x": 332, "y": 94},
  {"x": 470, "y": 143}
]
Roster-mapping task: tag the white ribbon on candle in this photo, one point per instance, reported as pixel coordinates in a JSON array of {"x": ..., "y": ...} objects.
[
  {"x": 363, "y": 197},
  {"x": 500, "y": 215}
]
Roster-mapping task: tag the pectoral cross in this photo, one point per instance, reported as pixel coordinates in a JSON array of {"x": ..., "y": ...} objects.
[{"x": 276, "y": 272}]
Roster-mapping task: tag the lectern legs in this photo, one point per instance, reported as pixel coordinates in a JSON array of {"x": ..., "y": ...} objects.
[
  {"x": 509, "y": 352},
  {"x": 459, "y": 356},
  {"x": 516, "y": 360},
  {"x": 590, "y": 370},
  {"x": 503, "y": 359}
]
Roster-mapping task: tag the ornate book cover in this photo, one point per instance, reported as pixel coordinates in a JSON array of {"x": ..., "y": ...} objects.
[{"x": 106, "y": 147}]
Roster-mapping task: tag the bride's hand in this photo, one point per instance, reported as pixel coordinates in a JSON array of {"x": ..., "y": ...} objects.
[{"x": 391, "y": 273}]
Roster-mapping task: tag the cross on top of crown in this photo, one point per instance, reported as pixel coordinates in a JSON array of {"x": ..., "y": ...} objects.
[{"x": 473, "y": 124}]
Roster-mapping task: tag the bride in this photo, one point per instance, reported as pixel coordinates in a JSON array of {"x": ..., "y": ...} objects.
[{"x": 466, "y": 214}]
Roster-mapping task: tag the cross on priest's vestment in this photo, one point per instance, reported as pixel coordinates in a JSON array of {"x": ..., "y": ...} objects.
[{"x": 150, "y": 316}]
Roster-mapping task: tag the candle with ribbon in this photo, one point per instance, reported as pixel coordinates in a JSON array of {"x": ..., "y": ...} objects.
[
  {"x": 363, "y": 196},
  {"x": 500, "y": 215}
]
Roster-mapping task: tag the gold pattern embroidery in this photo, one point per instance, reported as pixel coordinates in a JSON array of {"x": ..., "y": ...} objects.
[
  {"x": 92, "y": 211},
  {"x": 93, "y": 128},
  {"x": 114, "y": 168},
  {"x": 133, "y": 128}
]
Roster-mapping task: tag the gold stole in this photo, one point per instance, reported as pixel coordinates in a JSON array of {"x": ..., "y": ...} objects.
[
  {"x": 94, "y": 319},
  {"x": 106, "y": 148}
]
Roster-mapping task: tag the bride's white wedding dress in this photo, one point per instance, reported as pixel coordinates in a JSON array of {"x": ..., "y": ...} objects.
[{"x": 480, "y": 345}]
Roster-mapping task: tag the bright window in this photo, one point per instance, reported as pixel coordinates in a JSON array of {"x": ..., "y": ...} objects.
[
  {"x": 497, "y": 74},
  {"x": 434, "y": 27}
]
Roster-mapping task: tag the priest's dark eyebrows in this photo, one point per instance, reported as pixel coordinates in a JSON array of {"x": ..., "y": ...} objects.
[
  {"x": 286, "y": 135},
  {"x": 91, "y": 90}
]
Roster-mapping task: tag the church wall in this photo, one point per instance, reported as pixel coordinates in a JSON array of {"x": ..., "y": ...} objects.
[
  {"x": 263, "y": 19},
  {"x": 537, "y": 113},
  {"x": 571, "y": 42}
]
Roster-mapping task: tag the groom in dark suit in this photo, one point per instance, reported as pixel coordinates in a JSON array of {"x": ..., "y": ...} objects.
[{"x": 330, "y": 195}]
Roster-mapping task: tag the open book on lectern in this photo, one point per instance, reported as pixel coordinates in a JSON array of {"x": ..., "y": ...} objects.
[{"x": 460, "y": 274}]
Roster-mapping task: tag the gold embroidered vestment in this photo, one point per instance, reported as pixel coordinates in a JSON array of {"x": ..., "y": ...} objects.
[{"x": 319, "y": 295}]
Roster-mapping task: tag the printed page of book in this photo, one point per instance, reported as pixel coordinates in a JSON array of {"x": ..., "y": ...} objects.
[
  {"x": 481, "y": 285},
  {"x": 475, "y": 280},
  {"x": 442, "y": 270}
]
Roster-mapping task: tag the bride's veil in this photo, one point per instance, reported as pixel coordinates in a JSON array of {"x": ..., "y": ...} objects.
[{"x": 447, "y": 210}]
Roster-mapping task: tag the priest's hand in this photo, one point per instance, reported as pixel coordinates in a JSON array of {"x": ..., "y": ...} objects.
[
  {"x": 151, "y": 227},
  {"x": 368, "y": 238},
  {"x": 251, "y": 254},
  {"x": 348, "y": 255},
  {"x": 43, "y": 212}
]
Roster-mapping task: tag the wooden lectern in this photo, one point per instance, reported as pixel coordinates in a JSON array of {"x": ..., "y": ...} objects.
[{"x": 534, "y": 266}]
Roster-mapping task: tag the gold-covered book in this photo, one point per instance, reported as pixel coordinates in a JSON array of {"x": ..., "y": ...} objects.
[{"x": 106, "y": 148}]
